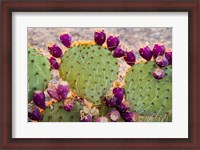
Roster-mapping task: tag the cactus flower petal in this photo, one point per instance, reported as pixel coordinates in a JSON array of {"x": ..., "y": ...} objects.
[{"x": 39, "y": 99}]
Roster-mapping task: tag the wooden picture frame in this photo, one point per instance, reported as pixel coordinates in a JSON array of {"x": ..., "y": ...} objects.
[{"x": 9, "y": 6}]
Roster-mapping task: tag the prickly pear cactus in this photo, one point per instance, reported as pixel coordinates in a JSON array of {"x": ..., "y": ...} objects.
[
  {"x": 39, "y": 72},
  {"x": 148, "y": 97},
  {"x": 90, "y": 70},
  {"x": 56, "y": 113}
]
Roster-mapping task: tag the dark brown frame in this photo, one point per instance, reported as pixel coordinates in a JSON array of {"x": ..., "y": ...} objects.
[{"x": 9, "y": 6}]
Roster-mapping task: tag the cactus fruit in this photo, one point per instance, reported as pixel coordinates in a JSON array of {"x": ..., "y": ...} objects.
[
  {"x": 90, "y": 70},
  {"x": 119, "y": 94},
  {"x": 161, "y": 61},
  {"x": 148, "y": 96},
  {"x": 39, "y": 99},
  {"x": 86, "y": 118},
  {"x": 130, "y": 116},
  {"x": 158, "y": 50},
  {"x": 39, "y": 73},
  {"x": 66, "y": 39},
  {"x": 129, "y": 57},
  {"x": 55, "y": 50},
  {"x": 123, "y": 107},
  {"x": 118, "y": 52},
  {"x": 54, "y": 63},
  {"x": 34, "y": 114},
  {"x": 68, "y": 105},
  {"x": 109, "y": 99},
  {"x": 53, "y": 93},
  {"x": 146, "y": 53},
  {"x": 112, "y": 42},
  {"x": 56, "y": 113},
  {"x": 102, "y": 119},
  {"x": 63, "y": 90},
  {"x": 158, "y": 73},
  {"x": 168, "y": 55},
  {"x": 60, "y": 92},
  {"x": 99, "y": 37},
  {"x": 114, "y": 115}
]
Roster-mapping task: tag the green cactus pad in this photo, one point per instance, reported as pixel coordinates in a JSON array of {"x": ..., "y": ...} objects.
[
  {"x": 160, "y": 118},
  {"x": 149, "y": 97},
  {"x": 90, "y": 71},
  {"x": 58, "y": 114},
  {"x": 39, "y": 73}
]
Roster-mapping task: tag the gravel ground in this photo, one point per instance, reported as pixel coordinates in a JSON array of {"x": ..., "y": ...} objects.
[{"x": 132, "y": 38}]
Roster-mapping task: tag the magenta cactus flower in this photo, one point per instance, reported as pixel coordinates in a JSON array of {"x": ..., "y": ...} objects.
[
  {"x": 68, "y": 105},
  {"x": 102, "y": 119},
  {"x": 55, "y": 51},
  {"x": 119, "y": 94},
  {"x": 99, "y": 37},
  {"x": 161, "y": 61},
  {"x": 63, "y": 89},
  {"x": 123, "y": 107},
  {"x": 168, "y": 55},
  {"x": 129, "y": 116},
  {"x": 35, "y": 114},
  {"x": 114, "y": 115},
  {"x": 87, "y": 118},
  {"x": 112, "y": 42},
  {"x": 158, "y": 73},
  {"x": 54, "y": 64},
  {"x": 66, "y": 39},
  {"x": 129, "y": 57},
  {"x": 118, "y": 52},
  {"x": 146, "y": 53},
  {"x": 39, "y": 99},
  {"x": 158, "y": 50}
]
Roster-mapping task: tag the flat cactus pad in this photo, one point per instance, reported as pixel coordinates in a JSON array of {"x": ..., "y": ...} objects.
[
  {"x": 148, "y": 96},
  {"x": 39, "y": 73},
  {"x": 56, "y": 113},
  {"x": 90, "y": 70}
]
